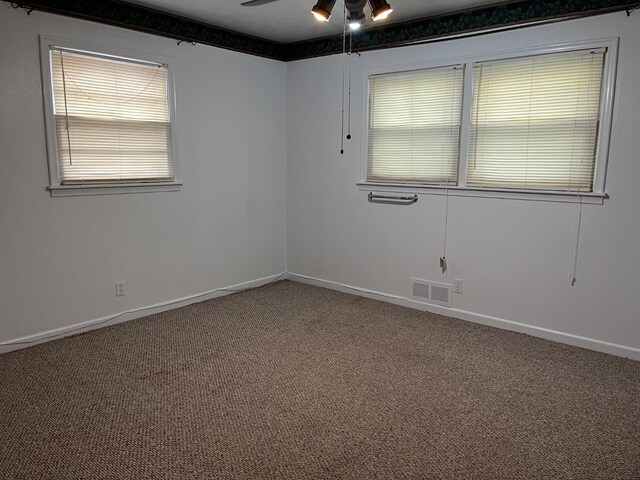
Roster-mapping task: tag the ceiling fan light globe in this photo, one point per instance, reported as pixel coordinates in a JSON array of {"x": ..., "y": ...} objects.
[{"x": 356, "y": 19}]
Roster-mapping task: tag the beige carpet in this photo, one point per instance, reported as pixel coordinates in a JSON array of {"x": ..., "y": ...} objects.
[{"x": 296, "y": 382}]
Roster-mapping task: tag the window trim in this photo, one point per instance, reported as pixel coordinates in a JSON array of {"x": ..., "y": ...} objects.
[
  {"x": 56, "y": 187},
  {"x": 604, "y": 132}
]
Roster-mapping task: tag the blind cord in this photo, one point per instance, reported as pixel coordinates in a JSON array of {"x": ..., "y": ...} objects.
[
  {"x": 66, "y": 109},
  {"x": 576, "y": 234},
  {"x": 443, "y": 258},
  {"x": 578, "y": 221},
  {"x": 344, "y": 60},
  {"x": 477, "y": 125},
  {"x": 349, "y": 96},
  {"x": 130, "y": 99}
]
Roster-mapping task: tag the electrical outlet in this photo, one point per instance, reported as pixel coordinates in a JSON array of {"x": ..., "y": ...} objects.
[
  {"x": 119, "y": 289},
  {"x": 457, "y": 285}
]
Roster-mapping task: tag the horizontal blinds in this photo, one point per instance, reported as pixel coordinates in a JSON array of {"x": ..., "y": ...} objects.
[
  {"x": 112, "y": 119},
  {"x": 534, "y": 123},
  {"x": 414, "y": 125}
]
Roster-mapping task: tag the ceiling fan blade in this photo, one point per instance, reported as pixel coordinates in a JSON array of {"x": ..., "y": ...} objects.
[{"x": 255, "y": 3}]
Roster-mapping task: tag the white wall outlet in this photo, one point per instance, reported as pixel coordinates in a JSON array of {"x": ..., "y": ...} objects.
[
  {"x": 457, "y": 285},
  {"x": 119, "y": 289}
]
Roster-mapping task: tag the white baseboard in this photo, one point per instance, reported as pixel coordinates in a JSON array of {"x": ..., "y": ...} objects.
[
  {"x": 554, "y": 335},
  {"x": 34, "y": 339},
  {"x": 548, "y": 334}
]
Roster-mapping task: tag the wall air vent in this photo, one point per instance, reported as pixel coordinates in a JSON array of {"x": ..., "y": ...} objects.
[{"x": 431, "y": 292}]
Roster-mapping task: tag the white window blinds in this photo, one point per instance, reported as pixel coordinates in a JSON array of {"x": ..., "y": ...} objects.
[
  {"x": 414, "y": 125},
  {"x": 112, "y": 119},
  {"x": 534, "y": 123}
]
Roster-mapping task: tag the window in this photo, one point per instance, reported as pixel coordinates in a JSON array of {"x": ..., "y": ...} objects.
[
  {"x": 414, "y": 125},
  {"x": 537, "y": 122},
  {"x": 110, "y": 120}
]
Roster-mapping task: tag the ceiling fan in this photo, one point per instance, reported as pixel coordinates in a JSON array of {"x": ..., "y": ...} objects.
[
  {"x": 355, "y": 17},
  {"x": 380, "y": 10}
]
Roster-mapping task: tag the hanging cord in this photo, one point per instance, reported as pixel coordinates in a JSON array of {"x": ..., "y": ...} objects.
[
  {"x": 66, "y": 109},
  {"x": 477, "y": 125},
  {"x": 576, "y": 234},
  {"x": 443, "y": 258},
  {"x": 349, "y": 96},
  {"x": 127, "y": 100},
  {"x": 577, "y": 226},
  {"x": 344, "y": 47}
]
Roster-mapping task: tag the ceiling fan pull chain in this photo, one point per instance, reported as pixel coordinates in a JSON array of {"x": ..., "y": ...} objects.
[
  {"x": 344, "y": 44},
  {"x": 349, "y": 101}
]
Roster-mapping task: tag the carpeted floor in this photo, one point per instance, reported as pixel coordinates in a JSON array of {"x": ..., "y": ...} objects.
[{"x": 296, "y": 382}]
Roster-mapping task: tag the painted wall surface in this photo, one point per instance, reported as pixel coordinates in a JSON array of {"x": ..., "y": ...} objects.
[
  {"x": 513, "y": 255},
  {"x": 266, "y": 191},
  {"x": 60, "y": 257}
]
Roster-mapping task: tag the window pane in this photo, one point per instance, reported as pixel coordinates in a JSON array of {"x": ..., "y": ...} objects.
[
  {"x": 534, "y": 123},
  {"x": 414, "y": 125},
  {"x": 112, "y": 119}
]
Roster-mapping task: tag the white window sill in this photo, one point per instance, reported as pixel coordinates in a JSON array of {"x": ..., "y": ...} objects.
[
  {"x": 506, "y": 193},
  {"x": 112, "y": 189}
]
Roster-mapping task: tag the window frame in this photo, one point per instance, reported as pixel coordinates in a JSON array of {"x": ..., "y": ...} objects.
[
  {"x": 461, "y": 189},
  {"x": 56, "y": 187}
]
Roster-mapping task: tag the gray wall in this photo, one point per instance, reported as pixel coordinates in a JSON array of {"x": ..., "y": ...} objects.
[
  {"x": 513, "y": 255},
  {"x": 60, "y": 257},
  {"x": 265, "y": 191}
]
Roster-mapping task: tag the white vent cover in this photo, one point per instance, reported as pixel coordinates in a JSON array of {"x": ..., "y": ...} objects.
[{"x": 431, "y": 292}]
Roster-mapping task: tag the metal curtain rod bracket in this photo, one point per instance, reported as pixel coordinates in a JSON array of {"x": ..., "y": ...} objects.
[
  {"x": 374, "y": 197},
  {"x": 17, "y": 5}
]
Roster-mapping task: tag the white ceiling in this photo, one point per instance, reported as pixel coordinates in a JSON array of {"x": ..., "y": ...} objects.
[{"x": 290, "y": 20}]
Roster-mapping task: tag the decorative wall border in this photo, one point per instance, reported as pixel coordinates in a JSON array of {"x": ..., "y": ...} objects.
[
  {"x": 473, "y": 21},
  {"x": 508, "y": 14},
  {"x": 143, "y": 19}
]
